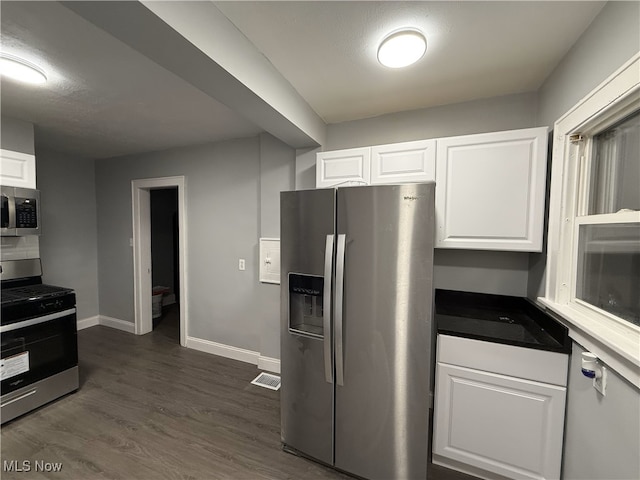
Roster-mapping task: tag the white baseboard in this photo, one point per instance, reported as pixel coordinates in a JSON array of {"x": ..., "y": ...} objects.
[
  {"x": 227, "y": 351},
  {"x": 117, "y": 323},
  {"x": 88, "y": 322},
  {"x": 248, "y": 356},
  {"x": 269, "y": 364}
]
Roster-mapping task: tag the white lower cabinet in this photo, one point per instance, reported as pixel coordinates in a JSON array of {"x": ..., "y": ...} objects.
[{"x": 495, "y": 425}]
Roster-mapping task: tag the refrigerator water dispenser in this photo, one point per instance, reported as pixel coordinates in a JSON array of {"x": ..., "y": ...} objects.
[{"x": 305, "y": 304}]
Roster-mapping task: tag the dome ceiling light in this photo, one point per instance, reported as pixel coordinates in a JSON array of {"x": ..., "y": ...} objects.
[
  {"x": 21, "y": 70},
  {"x": 402, "y": 48}
]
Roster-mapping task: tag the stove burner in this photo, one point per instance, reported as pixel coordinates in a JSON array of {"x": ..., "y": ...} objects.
[{"x": 32, "y": 293}]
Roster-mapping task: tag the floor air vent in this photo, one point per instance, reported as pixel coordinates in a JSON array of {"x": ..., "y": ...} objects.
[{"x": 267, "y": 380}]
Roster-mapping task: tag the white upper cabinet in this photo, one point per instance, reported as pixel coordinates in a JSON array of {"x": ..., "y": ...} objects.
[
  {"x": 17, "y": 169},
  {"x": 490, "y": 187},
  {"x": 490, "y": 190},
  {"x": 403, "y": 162},
  {"x": 394, "y": 163},
  {"x": 347, "y": 167}
]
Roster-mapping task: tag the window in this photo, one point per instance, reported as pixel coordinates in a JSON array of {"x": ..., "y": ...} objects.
[
  {"x": 593, "y": 248},
  {"x": 609, "y": 268},
  {"x": 607, "y": 236},
  {"x": 615, "y": 170}
]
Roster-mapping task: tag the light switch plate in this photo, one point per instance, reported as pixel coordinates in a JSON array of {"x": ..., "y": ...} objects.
[{"x": 270, "y": 260}]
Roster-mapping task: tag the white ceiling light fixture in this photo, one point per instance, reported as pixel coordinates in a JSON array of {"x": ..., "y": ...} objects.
[
  {"x": 402, "y": 48},
  {"x": 21, "y": 70}
]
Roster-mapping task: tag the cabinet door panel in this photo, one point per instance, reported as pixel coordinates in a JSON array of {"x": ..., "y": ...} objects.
[
  {"x": 490, "y": 191},
  {"x": 351, "y": 166},
  {"x": 499, "y": 424},
  {"x": 404, "y": 162},
  {"x": 17, "y": 169}
]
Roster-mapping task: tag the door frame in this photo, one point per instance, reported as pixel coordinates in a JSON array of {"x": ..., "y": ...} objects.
[{"x": 141, "y": 243}]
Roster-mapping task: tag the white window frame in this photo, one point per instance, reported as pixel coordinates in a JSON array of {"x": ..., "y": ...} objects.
[{"x": 615, "y": 341}]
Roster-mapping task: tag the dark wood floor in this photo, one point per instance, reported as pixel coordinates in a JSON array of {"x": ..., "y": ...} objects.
[{"x": 150, "y": 409}]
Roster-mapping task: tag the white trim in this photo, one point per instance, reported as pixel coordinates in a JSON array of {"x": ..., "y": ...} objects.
[
  {"x": 117, "y": 324},
  {"x": 222, "y": 350},
  {"x": 88, "y": 322},
  {"x": 617, "y": 343},
  {"x": 141, "y": 205},
  {"x": 142, "y": 252},
  {"x": 269, "y": 364},
  {"x": 619, "y": 351}
]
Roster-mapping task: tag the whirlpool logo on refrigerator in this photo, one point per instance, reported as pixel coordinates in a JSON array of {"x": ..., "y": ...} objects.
[{"x": 412, "y": 197}]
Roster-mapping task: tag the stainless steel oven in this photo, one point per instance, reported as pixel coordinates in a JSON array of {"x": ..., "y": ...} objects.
[{"x": 39, "y": 346}]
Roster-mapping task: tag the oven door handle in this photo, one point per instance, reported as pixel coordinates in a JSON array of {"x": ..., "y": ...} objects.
[{"x": 36, "y": 321}]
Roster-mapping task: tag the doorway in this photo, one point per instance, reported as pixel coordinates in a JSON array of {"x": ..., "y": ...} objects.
[
  {"x": 165, "y": 281},
  {"x": 143, "y": 262}
]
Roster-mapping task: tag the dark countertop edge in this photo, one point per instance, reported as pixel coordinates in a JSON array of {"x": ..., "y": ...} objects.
[
  {"x": 550, "y": 325},
  {"x": 565, "y": 349}
]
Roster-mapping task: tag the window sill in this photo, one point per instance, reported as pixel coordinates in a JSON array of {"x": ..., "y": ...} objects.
[{"x": 616, "y": 346}]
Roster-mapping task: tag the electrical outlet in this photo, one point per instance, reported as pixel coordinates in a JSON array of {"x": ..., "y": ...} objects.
[
  {"x": 600, "y": 383},
  {"x": 241, "y": 265}
]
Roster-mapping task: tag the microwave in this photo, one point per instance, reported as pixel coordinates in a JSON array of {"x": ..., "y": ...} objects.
[{"x": 20, "y": 211}]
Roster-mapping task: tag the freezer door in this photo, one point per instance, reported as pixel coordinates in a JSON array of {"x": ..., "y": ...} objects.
[
  {"x": 382, "y": 406},
  {"x": 307, "y": 222}
]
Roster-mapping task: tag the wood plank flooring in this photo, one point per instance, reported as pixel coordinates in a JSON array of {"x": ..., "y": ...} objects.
[{"x": 150, "y": 409}]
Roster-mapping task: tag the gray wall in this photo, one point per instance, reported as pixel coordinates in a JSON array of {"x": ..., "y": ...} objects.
[
  {"x": 276, "y": 174},
  {"x": 16, "y": 135},
  {"x": 68, "y": 243},
  {"x": 479, "y": 116},
  {"x": 612, "y": 38},
  {"x": 503, "y": 273},
  {"x": 230, "y": 200},
  {"x": 602, "y": 438},
  {"x": 602, "y": 433}
]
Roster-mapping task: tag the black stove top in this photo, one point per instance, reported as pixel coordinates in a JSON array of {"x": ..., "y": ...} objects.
[
  {"x": 32, "y": 293},
  {"x": 23, "y": 302}
]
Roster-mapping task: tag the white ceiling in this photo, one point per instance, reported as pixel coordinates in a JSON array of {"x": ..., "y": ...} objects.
[
  {"x": 105, "y": 98},
  {"x": 327, "y": 50}
]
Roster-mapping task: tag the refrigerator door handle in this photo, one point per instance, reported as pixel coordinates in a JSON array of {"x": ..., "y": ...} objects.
[
  {"x": 326, "y": 308},
  {"x": 339, "y": 307}
]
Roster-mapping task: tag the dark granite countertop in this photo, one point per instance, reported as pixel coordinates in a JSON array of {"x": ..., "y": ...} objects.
[{"x": 498, "y": 318}]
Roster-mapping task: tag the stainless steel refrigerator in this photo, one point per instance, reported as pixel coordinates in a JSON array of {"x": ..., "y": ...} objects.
[{"x": 357, "y": 331}]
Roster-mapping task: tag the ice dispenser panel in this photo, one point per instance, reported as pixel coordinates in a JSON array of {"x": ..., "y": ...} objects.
[{"x": 305, "y": 304}]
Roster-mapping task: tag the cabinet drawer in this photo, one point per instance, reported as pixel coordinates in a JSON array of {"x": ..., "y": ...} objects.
[{"x": 526, "y": 363}]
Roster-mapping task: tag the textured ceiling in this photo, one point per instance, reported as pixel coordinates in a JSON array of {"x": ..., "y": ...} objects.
[
  {"x": 107, "y": 99},
  {"x": 327, "y": 50},
  {"x": 103, "y": 99}
]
